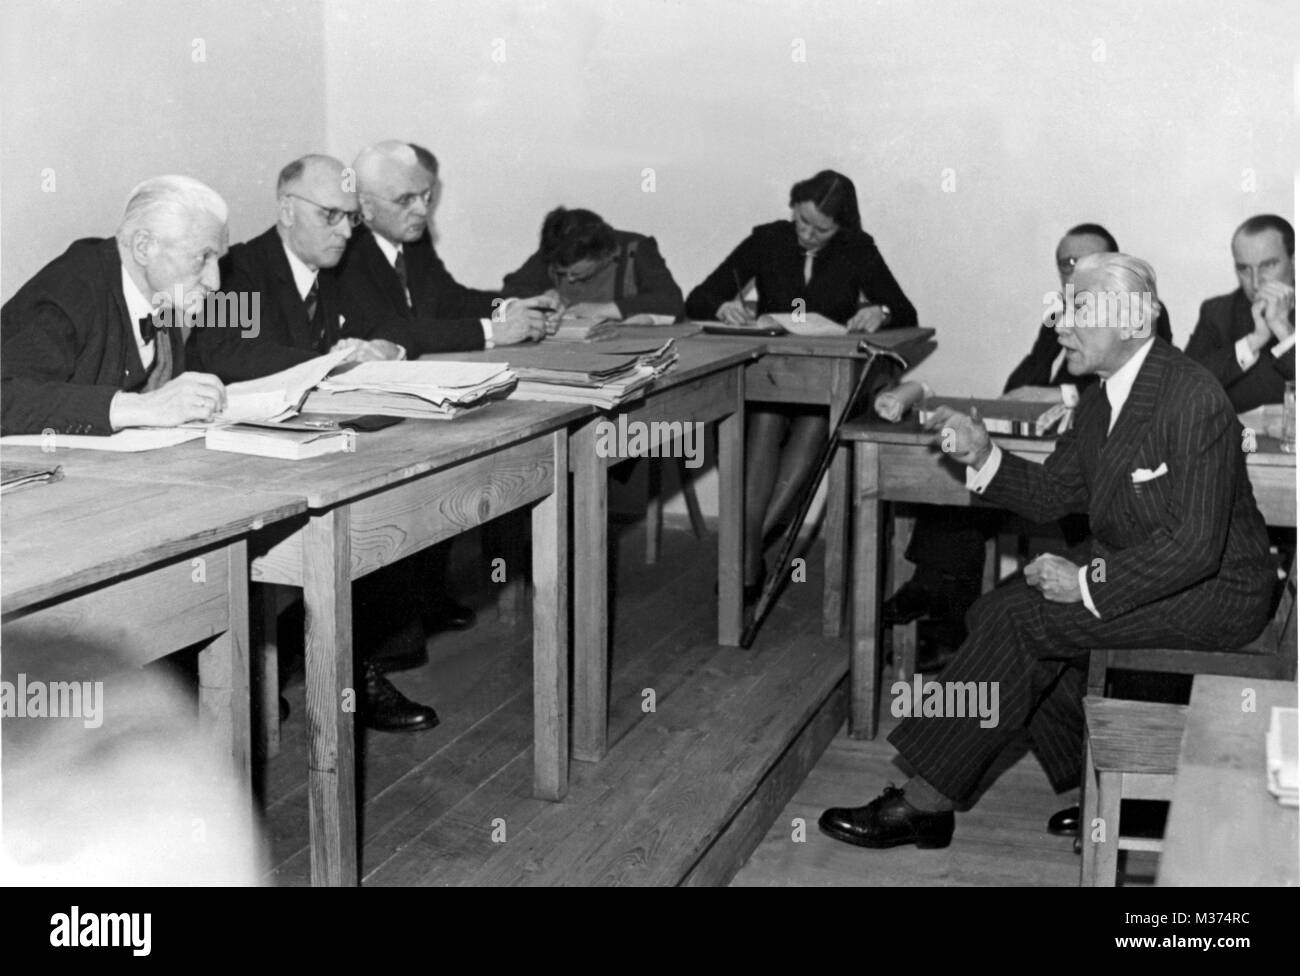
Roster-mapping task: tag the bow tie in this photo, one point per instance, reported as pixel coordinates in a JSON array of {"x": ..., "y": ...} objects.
[{"x": 147, "y": 328}]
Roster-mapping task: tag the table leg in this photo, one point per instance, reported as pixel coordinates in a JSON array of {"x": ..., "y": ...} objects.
[
  {"x": 331, "y": 698},
  {"x": 224, "y": 690},
  {"x": 590, "y": 587},
  {"x": 731, "y": 521},
  {"x": 864, "y": 659},
  {"x": 903, "y": 638},
  {"x": 835, "y": 525},
  {"x": 266, "y": 662},
  {"x": 551, "y": 632}
]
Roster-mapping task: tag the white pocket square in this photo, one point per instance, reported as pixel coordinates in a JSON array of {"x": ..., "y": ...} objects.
[{"x": 1143, "y": 475}]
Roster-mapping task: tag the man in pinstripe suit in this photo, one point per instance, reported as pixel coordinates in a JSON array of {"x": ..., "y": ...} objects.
[{"x": 1178, "y": 555}]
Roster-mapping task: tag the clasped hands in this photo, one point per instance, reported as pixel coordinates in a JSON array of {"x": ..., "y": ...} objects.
[{"x": 1271, "y": 312}]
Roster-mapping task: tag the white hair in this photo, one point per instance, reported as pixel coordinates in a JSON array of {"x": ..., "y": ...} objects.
[
  {"x": 167, "y": 199},
  {"x": 1123, "y": 274}
]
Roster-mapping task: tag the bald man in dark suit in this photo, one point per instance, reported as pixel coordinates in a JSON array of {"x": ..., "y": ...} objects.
[{"x": 1178, "y": 557}]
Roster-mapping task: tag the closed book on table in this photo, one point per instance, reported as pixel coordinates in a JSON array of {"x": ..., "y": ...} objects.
[
  {"x": 288, "y": 443},
  {"x": 1016, "y": 418}
]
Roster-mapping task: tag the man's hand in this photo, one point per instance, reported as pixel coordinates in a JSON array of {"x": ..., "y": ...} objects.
[
  {"x": 1271, "y": 310},
  {"x": 734, "y": 312},
  {"x": 365, "y": 351},
  {"x": 523, "y": 320},
  {"x": 962, "y": 436},
  {"x": 1035, "y": 394},
  {"x": 869, "y": 318},
  {"x": 1056, "y": 578},
  {"x": 592, "y": 310},
  {"x": 187, "y": 398}
]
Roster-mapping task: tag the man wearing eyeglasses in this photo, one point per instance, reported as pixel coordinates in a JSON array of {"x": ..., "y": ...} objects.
[
  {"x": 392, "y": 269},
  {"x": 286, "y": 272}
]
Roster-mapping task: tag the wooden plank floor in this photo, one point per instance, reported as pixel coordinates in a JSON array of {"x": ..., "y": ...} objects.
[{"x": 453, "y": 805}]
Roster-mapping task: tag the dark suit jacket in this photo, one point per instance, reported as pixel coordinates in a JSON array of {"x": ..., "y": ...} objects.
[
  {"x": 848, "y": 266},
  {"x": 444, "y": 315},
  {"x": 655, "y": 291},
  {"x": 1036, "y": 368},
  {"x": 67, "y": 345},
  {"x": 1223, "y": 321},
  {"x": 1196, "y": 527},
  {"x": 258, "y": 271}
]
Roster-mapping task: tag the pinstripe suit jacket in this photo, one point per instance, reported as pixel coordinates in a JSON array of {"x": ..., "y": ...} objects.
[{"x": 1196, "y": 527}]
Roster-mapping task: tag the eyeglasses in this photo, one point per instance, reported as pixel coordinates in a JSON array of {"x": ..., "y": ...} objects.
[
  {"x": 332, "y": 215},
  {"x": 567, "y": 275},
  {"x": 407, "y": 200}
]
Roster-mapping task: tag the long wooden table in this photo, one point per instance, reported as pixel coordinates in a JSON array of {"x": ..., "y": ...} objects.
[
  {"x": 1224, "y": 827},
  {"x": 900, "y": 463},
  {"x": 134, "y": 570},
  {"x": 706, "y": 386},
  {"x": 820, "y": 372},
  {"x": 403, "y": 489}
]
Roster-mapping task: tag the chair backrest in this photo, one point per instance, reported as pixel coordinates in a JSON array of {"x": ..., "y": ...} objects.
[{"x": 1275, "y": 655}]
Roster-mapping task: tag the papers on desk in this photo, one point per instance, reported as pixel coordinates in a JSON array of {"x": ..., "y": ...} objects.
[
  {"x": 131, "y": 440},
  {"x": 1283, "y": 756},
  {"x": 431, "y": 390},
  {"x": 280, "y": 395},
  {"x": 604, "y": 376},
  {"x": 15, "y": 476},
  {"x": 803, "y": 324},
  {"x": 601, "y": 329}
]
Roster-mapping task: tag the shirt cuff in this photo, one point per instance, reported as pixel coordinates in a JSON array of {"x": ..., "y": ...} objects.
[
  {"x": 1069, "y": 394},
  {"x": 487, "y": 333},
  {"x": 1282, "y": 348},
  {"x": 977, "y": 481},
  {"x": 1246, "y": 357},
  {"x": 1083, "y": 588}
]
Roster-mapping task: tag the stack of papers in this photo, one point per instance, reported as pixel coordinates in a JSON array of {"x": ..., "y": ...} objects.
[
  {"x": 430, "y": 390},
  {"x": 605, "y": 377},
  {"x": 584, "y": 330},
  {"x": 287, "y": 443},
  {"x": 278, "y": 396}
]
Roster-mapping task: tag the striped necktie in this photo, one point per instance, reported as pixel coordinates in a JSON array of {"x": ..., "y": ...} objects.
[{"x": 399, "y": 266}]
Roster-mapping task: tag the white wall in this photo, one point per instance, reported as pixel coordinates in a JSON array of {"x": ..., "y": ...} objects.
[
  {"x": 106, "y": 93},
  {"x": 1143, "y": 116}
]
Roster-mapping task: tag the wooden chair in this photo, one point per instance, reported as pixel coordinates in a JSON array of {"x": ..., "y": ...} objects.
[
  {"x": 1130, "y": 753},
  {"x": 1131, "y": 748},
  {"x": 1271, "y": 655}
]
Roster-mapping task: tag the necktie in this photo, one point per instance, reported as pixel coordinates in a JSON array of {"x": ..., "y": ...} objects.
[
  {"x": 314, "y": 319},
  {"x": 400, "y": 267},
  {"x": 1105, "y": 412},
  {"x": 807, "y": 267}
]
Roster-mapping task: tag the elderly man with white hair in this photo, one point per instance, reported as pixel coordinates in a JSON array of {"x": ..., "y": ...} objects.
[
  {"x": 95, "y": 341},
  {"x": 1178, "y": 555},
  {"x": 391, "y": 269}
]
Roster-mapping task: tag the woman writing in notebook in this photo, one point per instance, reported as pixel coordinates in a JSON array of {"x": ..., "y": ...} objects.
[
  {"x": 597, "y": 272},
  {"x": 819, "y": 261}
]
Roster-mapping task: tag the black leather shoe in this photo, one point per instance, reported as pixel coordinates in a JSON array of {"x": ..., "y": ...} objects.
[
  {"x": 386, "y": 709},
  {"x": 1064, "y": 823},
  {"x": 449, "y": 615},
  {"x": 888, "y": 821},
  {"x": 910, "y": 602}
]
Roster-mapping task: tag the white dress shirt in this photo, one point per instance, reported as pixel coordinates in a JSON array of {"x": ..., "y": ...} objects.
[
  {"x": 1116, "y": 388},
  {"x": 1247, "y": 357},
  {"x": 137, "y": 307},
  {"x": 303, "y": 276}
]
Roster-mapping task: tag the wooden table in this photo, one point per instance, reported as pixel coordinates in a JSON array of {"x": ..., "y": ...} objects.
[
  {"x": 899, "y": 463},
  {"x": 403, "y": 489},
  {"x": 1225, "y": 827},
  {"x": 820, "y": 372},
  {"x": 138, "y": 570},
  {"x": 707, "y": 385}
]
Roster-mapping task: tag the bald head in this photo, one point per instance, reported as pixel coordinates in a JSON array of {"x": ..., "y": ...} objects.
[
  {"x": 396, "y": 190},
  {"x": 317, "y": 203}
]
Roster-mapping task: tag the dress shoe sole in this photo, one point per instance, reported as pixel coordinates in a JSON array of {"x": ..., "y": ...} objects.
[{"x": 857, "y": 840}]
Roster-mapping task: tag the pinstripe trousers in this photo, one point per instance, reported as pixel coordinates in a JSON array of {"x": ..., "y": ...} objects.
[{"x": 1037, "y": 652}]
